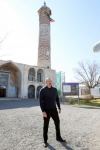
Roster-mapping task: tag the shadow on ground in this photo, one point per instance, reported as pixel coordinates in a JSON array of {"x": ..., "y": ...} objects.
[
  {"x": 12, "y": 104},
  {"x": 63, "y": 144}
]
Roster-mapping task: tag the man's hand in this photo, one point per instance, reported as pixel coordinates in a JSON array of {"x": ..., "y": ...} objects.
[
  {"x": 45, "y": 114},
  {"x": 59, "y": 111}
]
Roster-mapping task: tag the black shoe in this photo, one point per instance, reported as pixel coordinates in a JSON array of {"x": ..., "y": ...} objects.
[
  {"x": 60, "y": 140},
  {"x": 45, "y": 144}
]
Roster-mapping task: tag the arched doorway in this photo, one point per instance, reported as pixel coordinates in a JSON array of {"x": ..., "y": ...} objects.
[
  {"x": 2, "y": 91},
  {"x": 10, "y": 77},
  {"x": 31, "y": 91},
  {"x": 38, "y": 91}
]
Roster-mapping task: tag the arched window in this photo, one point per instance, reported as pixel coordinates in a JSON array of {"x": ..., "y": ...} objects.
[
  {"x": 31, "y": 74},
  {"x": 40, "y": 75}
]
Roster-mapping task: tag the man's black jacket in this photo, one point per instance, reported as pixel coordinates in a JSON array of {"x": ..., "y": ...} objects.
[{"x": 49, "y": 98}]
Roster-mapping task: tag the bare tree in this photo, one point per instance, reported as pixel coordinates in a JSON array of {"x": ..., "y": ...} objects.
[{"x": 88, "y": 74}]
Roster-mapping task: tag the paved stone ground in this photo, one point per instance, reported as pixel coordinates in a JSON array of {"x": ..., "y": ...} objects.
[{"x": 21, "y": 127}]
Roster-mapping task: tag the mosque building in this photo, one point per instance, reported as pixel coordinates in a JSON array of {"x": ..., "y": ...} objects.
[{"x": 25, "y": 81}]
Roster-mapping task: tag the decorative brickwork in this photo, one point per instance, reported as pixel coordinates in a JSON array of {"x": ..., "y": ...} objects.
[{"x": 44, "y": 48}]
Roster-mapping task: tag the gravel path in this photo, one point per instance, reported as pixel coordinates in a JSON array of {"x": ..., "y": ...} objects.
[{"x": 21, "y": 127}]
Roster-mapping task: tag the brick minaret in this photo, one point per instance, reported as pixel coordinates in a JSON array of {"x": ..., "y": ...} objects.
[{"x": 44, "y": 48}]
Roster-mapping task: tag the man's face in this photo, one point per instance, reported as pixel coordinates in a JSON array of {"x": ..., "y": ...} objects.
[{"x": 49, "y": 82}]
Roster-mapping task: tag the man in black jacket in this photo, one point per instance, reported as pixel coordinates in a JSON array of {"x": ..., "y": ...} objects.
[{"x": 48, "y": 100}]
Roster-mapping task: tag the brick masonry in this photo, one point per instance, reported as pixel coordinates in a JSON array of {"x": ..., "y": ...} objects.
[{"x": 44, "y": 48}]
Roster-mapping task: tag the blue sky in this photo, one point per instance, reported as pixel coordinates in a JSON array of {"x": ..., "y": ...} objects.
[{"x": 73, "y": 34}]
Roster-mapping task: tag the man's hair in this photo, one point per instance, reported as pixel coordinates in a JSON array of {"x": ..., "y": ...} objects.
[{"x": 48, "y": 78}]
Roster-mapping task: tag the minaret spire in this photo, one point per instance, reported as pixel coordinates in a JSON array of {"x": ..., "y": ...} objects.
[
  {"x": 44, "y": 46},
  {"x": 44, "y": 4}
]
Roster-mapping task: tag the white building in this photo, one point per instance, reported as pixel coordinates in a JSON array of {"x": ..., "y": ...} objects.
[{"x": 96, "y": 91}]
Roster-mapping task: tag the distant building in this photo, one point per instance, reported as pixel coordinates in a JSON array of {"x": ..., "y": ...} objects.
[
  {"x": 96, "y": 91},
  {"x": 60, "y": 79},
  {"x": 25, "y": 81},
  {"x": 84, "y": 91}
]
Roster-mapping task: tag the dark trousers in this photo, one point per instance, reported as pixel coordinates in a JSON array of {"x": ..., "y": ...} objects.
[{"x": 54, "y": 114}]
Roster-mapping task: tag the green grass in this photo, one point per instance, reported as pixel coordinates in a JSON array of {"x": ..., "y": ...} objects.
[{"x": 92, "y": 102}]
